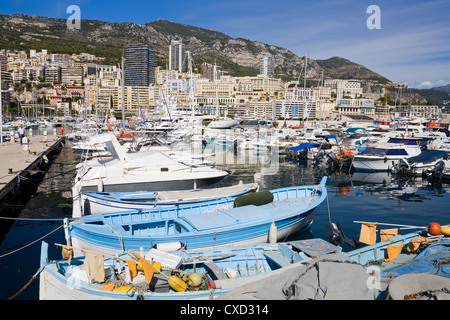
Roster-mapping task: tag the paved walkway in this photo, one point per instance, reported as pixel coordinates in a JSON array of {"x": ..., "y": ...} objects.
[{"x": 18, "y": 157}]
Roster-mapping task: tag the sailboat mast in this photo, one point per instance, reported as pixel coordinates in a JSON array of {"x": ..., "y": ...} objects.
[
  {"x": 122, "y": 93},
  {"x": 305, "y": 108},
  {"x": 217, "y": 92},
  {"x": 191, "y": 92}
]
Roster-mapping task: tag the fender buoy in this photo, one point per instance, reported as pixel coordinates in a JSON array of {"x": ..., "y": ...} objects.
[
  {"x": 273, "y": 233},
  {"x": 177, "y": 284},
  {"x": 123, "y": 289},
  {"x": 434, "y": 229},
  {"x": 195, "y": 279},
  {"x": 445, "y": 231},
  {"x": 86, "y": 208},
  {"x": 100, "y": 185}
]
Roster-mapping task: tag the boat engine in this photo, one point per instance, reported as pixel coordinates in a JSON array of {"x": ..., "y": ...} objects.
[
  {"x": 402, "y": 168},
  {"x": 437, "y": 172},
  {"x": 325, "y": 159},
  {"x": 337, "y": 236}
]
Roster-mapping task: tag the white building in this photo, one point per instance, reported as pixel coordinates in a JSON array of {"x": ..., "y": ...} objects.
[
  {"x": 345, "y": 88},
  {"x": 266, "y": 66},
  {"x": 292, "y": 109}
]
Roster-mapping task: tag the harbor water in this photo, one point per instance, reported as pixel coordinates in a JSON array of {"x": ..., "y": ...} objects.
[{"x": 371, "y": 197}]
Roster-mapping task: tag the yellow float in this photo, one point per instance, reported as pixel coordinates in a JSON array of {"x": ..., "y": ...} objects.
[{"x": 177, "y": 284}]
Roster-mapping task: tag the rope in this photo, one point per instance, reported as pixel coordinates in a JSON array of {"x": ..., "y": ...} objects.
[
  {"x": 29, "y": 282},
  {"x": 428, "y": 293},
  {"x": 119, "y": 236},
  {"x": 328, "y": 206},
  {"x": 27, "y": 245},
  {"x": 32, "y": 219}
]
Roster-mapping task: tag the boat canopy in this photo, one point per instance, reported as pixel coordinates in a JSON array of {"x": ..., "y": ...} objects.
[
  {"x": 304, "y": 146},
  {"x": 429, "y": 156},
  {"x": 356, "y": 129},
  {"x": 328, "y": 137}
]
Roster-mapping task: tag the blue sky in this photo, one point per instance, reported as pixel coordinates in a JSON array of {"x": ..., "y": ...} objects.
[{"x": 413, "y": 43}]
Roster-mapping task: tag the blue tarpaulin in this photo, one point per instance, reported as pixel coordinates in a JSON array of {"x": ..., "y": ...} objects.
[{"x": 303, "y": 146}]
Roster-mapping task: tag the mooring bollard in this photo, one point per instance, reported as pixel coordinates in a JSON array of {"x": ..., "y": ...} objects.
[{"x": 25, "y": 144}]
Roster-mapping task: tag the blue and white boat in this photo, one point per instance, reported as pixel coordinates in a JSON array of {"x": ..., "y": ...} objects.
[
  {"x": 104, "y": 202},
  {"x": 281, "y": 211},
  {"x": 303, "y": 151},
  {"x": 381, "y": 156},
  {"x": 210, "y": 273},
  {"x": 422, "y": 164}
]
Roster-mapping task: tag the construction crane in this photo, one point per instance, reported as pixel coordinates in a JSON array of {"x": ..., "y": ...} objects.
[{"x": 386, "y": 86}]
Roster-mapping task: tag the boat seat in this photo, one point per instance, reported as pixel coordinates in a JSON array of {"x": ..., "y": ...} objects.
[
  {"x": 279, "y": 259},
  {"x": 218, "y": 273}
]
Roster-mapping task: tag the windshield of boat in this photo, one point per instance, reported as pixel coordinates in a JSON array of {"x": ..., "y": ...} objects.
[{"x": 370, "y": 151}]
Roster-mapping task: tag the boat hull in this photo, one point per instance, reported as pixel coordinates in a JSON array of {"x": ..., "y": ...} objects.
[
  {"x": 221, "y": 269},
  {"x": 103, "y": 202},
  {"x": 113, "y": 245},
  {"x": 155, "y": 185},
  {"x": 373, "y": 163},
  {"x": 202, "y": 225}
]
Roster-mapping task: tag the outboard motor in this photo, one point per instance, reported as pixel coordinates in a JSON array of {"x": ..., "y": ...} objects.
[
  {"x": 402, "y": 168},
  {"x": 438, "y": 171},
  {"x": 337, "y": 236}
]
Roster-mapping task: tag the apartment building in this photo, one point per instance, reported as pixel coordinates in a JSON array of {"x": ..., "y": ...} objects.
[
  {"x": 72, "y": 75},
  {"x": 420, "y": 111},
  {"x": 345, "y": 88},
  {"x": 355, "y": 107},
  {"x": 297, "y": 92},
  {"x": 266, "y": 66},
  {"x": 135, "y": 97},
  {"x": 292, "y": 109},
  {"x": 263, "y": 83},
  {"x": 211, "y": 72},
  {"x": 139, "y": 66},
  {"x": 177, "y": 55}
]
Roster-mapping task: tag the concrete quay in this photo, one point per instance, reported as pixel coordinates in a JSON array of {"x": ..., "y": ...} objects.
[{"x": 19, "y": 162}]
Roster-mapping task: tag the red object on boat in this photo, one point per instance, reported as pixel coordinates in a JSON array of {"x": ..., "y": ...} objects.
[{"x": 434, "y": 229}]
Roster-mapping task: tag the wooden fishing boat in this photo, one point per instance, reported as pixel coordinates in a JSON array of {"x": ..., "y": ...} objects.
[
  {"x": 282, "y": 211},
  {"x": 417, "y": 253},
  {"x": 104, "y": 202},
  {"x": 209, "y": 273}
]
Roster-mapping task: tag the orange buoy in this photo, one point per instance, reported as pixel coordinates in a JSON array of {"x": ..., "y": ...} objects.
[{"x": 434, "y": 229}]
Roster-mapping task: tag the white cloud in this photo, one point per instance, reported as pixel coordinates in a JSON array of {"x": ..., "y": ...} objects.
[{"x": 425, "y": 85}]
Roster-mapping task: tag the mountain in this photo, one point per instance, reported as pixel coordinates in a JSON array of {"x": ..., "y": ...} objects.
[
  {"x": 340, "y": 68},
  {"x": 105, "y": 39},
  {"x": 443, "y": 88},
  {"x": 434, "y": 96}
]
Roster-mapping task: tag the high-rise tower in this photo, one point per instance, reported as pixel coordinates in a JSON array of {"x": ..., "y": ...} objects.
[
  {"x": 139, "y": 65},
  {"x": 266, "y": 66},
  {"x": 177, "y": 55}
]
